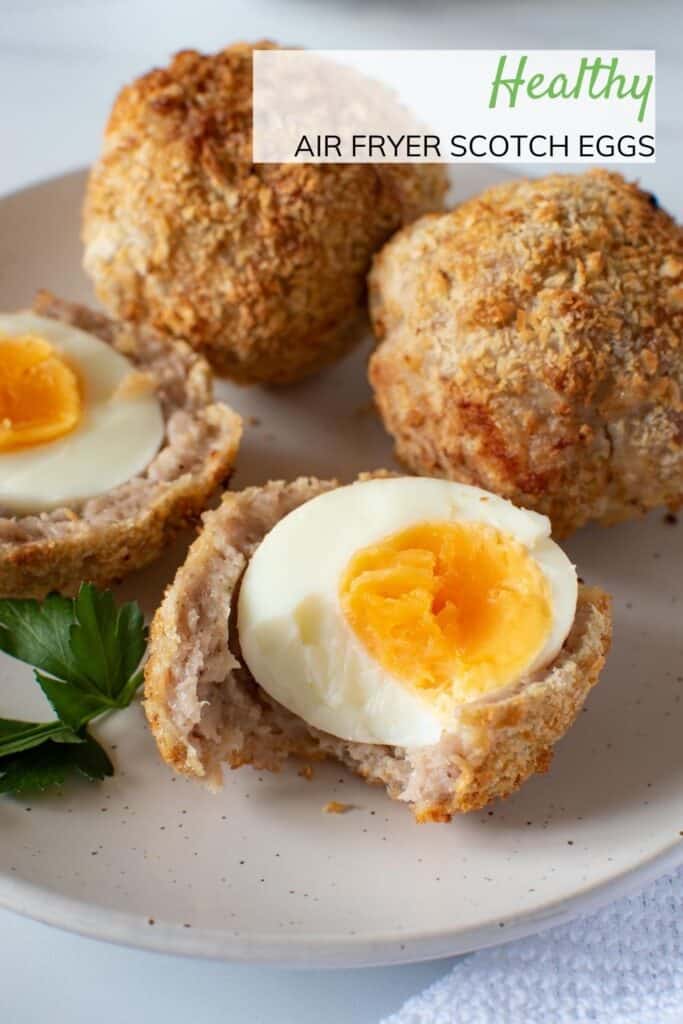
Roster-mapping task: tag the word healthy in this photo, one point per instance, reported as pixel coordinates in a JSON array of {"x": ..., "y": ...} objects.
[{"x": 595, "y": 79}]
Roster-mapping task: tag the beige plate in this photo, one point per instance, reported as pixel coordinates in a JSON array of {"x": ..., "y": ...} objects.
[{"x": 259, "y": 873}]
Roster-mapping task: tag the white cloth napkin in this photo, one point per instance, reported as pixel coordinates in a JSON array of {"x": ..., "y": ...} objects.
[{"x": 620, "y": 965}]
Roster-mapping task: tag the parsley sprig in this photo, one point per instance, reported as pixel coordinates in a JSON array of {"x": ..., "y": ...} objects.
[{"x": 86, "y": 653}]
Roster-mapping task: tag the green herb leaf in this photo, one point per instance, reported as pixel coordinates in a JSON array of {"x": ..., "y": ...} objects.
[
  {"x": 72, "y": 706},
  {"x": 40, "y": 634},
  {"x": 33, "y": 771},
  {"x": 87, "y": 655},
  {"x": 48, "y": 766},
  {"x": 107, "y": 643},
  {"x": 17, "y": 736},
  {"x": 86, "y": 651},
  {"x": 91, "y": 759}
]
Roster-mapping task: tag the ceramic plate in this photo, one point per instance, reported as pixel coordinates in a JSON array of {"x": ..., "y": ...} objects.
[{"x": 259, "y": 873}]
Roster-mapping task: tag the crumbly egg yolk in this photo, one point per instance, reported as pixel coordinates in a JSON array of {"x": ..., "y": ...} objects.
[
  {"x": 40, "y": 397},
  {"x": 455, "y": 609}
]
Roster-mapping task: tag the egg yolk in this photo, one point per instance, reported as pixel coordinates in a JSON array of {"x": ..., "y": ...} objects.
[
  {"x": 457, "y": 609},
  {"x": 39, "y": 393}
]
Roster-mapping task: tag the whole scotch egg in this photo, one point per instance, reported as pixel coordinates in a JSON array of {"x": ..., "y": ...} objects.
[
  {"x": 530, "y": 343},
  {"x": 261, "y": 267}
]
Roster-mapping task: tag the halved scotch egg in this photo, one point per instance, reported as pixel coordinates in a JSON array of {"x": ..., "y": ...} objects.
[
  {"x": 109, "y": 442},
  {"x": 428, "y": 634},
  {"x": 77, "y": 417}
]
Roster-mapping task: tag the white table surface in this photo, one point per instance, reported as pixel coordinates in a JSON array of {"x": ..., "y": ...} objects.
[{"x": 60, "y": 66}]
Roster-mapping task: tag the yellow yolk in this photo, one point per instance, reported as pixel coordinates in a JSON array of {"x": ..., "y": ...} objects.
[
  {"x": 39, "y": 393},
  {"x": 458, "y": 609}
]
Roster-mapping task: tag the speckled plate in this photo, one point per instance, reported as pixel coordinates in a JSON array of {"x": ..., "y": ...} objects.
[{"x": 259, "y": 873}]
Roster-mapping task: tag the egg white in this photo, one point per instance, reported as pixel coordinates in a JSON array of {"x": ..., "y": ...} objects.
[
  {"x": 116, "y": 438},
  {"x": 292, "y": 631}
]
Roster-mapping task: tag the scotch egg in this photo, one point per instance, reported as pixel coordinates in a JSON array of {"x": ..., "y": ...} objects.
[
  {"x": 529, "y": 342},
  {"x": 76, "y": 417},
  {"x": 261, "y": 267},
  {"x": 110, "y": 442},
  {"x": 427, "y": 634}
]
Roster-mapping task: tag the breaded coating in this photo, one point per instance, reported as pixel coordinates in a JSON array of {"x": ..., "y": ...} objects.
[
  {"x": 206, "y": 710},
  {"x": 530, "y": 343},
  {"x": 260, "y": 267},
  {"x": 112, "y": 534}
]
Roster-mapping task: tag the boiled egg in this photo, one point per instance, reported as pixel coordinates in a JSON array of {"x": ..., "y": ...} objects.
[
  {"x": 76, "y": 417},
  {"x": 376, "y": 611}
]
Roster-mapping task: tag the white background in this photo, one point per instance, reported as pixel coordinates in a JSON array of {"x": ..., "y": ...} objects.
[{"x": 60, "y": 66}]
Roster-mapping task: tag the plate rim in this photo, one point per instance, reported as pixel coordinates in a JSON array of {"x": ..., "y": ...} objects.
[{"x": 317, "y": 950}]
